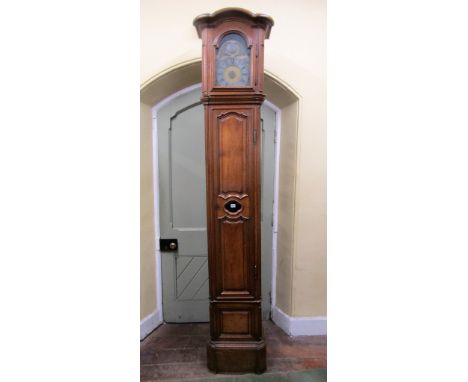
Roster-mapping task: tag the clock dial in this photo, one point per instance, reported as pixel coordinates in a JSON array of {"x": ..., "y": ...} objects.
[{"x": 233, "y": 62}]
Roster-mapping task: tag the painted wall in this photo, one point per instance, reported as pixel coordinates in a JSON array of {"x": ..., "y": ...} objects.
[
  {"x": 147, "y": 244},
  {"x": 295, "y": 53}
]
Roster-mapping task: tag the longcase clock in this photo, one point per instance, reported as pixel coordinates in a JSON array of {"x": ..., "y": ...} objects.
[{"x": 232, "y": 93}]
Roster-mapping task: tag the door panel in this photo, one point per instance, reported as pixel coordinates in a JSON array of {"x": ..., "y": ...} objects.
[
  {"x": 182, "y": 208},
  {"x": 192, "y": 283},
  {"x": 182, "y": 199},
  {"x": 234, "y": 273}
]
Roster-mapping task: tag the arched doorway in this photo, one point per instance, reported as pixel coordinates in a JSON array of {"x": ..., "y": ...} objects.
[
  {"x": 178, "y": 136},
  {"x": 285, "y": 103}
]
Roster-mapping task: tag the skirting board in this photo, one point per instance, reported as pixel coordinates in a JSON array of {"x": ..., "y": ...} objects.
[
  {"x": 299, "y": 326},
  {"x": 149, "y": 323}
]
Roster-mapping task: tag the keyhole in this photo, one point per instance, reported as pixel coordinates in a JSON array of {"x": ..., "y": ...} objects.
[{"x": 232, "y": 206}]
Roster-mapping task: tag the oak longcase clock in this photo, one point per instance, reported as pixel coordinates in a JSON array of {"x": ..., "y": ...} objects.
[{"x": 232, "y": 93}]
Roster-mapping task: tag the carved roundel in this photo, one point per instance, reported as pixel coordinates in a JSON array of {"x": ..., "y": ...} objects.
[{"x": 233, "y": 206}]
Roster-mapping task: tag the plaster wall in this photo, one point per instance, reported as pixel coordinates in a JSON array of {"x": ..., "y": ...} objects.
[{"x": 147, "y": 240}]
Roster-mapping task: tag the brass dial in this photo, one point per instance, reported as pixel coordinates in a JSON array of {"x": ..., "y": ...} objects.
[{"x": 232, "y": 74}]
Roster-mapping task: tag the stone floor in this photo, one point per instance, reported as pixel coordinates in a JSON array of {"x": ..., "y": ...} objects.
[{"x": 178, "y": 351}]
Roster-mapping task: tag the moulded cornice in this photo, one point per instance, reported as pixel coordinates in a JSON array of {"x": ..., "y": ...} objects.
[
  {"x": 209, "y": 19},
  {"x": 239, "y": 99}
]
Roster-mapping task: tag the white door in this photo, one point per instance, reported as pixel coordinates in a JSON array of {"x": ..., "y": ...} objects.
[{"x": 182, "y": 206}]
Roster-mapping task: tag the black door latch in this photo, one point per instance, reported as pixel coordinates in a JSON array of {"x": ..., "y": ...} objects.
[{"x": 169, "y": 245}]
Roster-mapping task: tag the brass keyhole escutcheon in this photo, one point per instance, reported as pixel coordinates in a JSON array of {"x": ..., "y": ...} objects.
[{"x": 233, "y": 206}]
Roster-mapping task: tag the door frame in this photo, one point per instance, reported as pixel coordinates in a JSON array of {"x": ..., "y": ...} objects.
[{"x": 157, "y": 234}]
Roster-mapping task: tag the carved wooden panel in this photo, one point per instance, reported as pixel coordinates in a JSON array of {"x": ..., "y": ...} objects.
[
  {"x": 235, "y": 268},
  {"x": 225, "y": 210},
  {"x": 232, "y": 128},
  {"x": 236, "y": 321},
  {"x": 234, "y": 261}
]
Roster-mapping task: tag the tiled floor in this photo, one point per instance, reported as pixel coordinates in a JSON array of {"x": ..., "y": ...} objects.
[{"x": 177, "y": 351}]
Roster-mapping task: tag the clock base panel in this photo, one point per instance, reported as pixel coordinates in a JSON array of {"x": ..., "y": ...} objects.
[{"x": 236, "y": 357}]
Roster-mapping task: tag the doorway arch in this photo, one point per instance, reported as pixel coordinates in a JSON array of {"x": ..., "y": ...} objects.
[{"x": 285, "y": 101}]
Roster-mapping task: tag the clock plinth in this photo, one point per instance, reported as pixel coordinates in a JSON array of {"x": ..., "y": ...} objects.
[
  {"x": 232, "y": 93},
  {"x": 237, "y": 357}
]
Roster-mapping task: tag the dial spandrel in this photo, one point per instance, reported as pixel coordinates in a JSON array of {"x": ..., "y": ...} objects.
[{"x": 233, "y": 62}]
